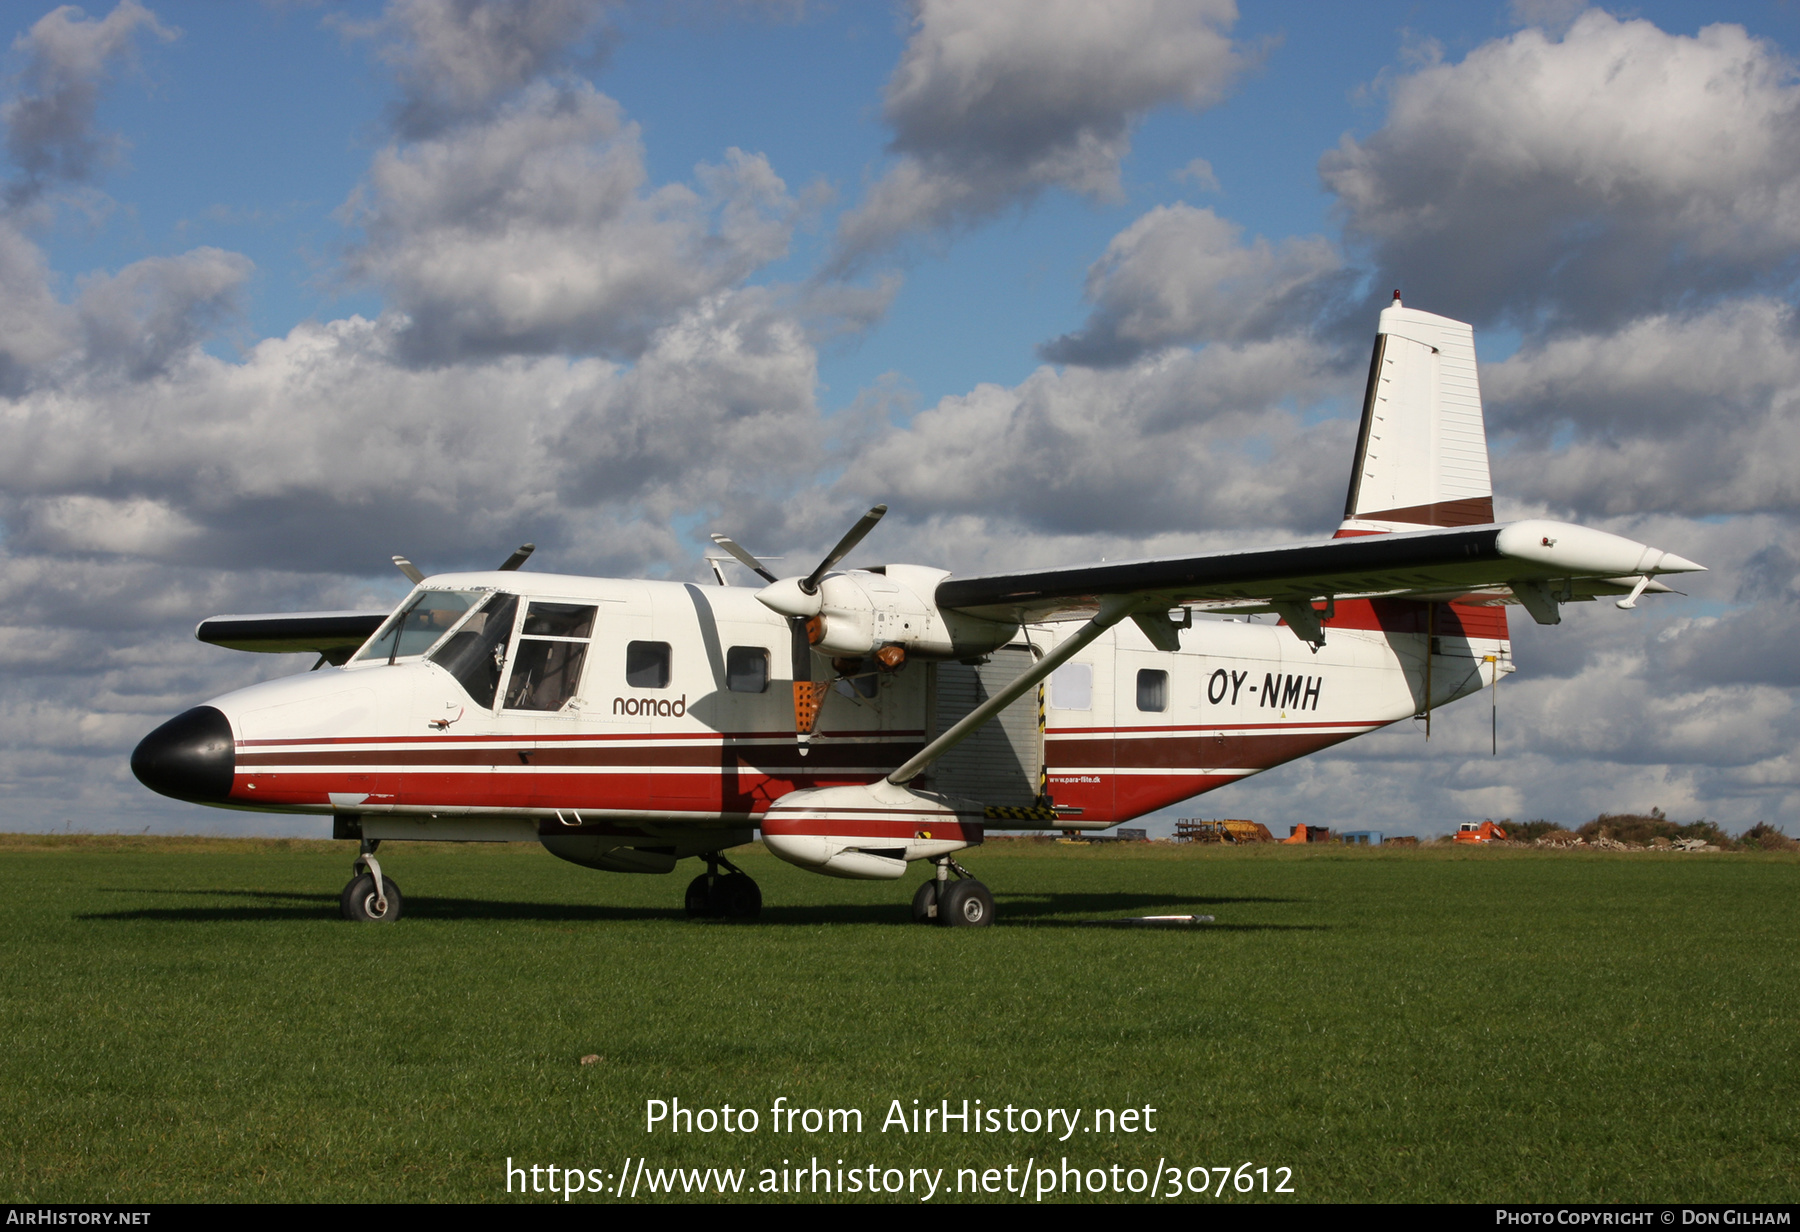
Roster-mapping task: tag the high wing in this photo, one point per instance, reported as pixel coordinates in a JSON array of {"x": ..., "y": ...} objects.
[
  {"x": 335, "y": 635},
  {"x": 1526, "y": 561}
]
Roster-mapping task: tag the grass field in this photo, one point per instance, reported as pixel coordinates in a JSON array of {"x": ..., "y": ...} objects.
[{"x": 188, "y": 1019}]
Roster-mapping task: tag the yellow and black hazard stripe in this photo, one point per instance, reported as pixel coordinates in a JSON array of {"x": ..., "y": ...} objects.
[
  {"x": 1043, "y": 765},
  {"x": 1002, "y": 812}
]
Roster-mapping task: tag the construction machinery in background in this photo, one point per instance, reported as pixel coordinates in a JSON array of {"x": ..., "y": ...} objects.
[
  {"x": 1480, "y": 832},
  {"x": 1308, "y": 834},
  {"x": 1195, "y": 830}
]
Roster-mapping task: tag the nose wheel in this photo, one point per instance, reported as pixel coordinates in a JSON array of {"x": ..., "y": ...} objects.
[
  {"x": 963, "y": 903},
  {"x": 730, "y": 895},
  {"x": 370, "y": 897}
]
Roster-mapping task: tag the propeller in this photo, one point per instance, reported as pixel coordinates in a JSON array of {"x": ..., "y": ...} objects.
[
  {"x": 797, "y": 599},
  {"x": 744, "y": 558},
  {"x": 844, "y": 547},
  {"x": 509, "y": 565}
]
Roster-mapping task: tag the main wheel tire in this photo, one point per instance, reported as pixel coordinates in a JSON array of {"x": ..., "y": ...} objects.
[
  {"x": 925, "y": 903},
  {"x": 702, "y": 898},
  {"x": 737, "y": 897},
  {"x": 965, "y": 904},
  {"x": 358, "y": 900}
]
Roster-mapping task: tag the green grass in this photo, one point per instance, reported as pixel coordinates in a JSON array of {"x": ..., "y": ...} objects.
[{"x": 189, "y": 1019}]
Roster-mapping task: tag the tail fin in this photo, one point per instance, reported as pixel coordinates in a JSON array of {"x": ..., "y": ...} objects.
[{"x": 1421, "y": 457}]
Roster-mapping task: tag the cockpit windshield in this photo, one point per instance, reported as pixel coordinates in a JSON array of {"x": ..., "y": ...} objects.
[{"x": 415, "y": 628}]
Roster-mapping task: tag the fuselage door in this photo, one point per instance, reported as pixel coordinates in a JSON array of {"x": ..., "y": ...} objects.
[
  {"x": 544, "y": 676},
  {"x": 1000, "y": 763}
]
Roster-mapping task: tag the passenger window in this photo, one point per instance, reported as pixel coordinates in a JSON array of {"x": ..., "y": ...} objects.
[
  {"x": 747, "y": 669},
  {"x": 476, "y": 653},
  {"x": 647, "y": 665},
  {"x": 1072, "y": 687},
  {"x": 1153, "y": 690},
  {"x": 552, "y": 648}
]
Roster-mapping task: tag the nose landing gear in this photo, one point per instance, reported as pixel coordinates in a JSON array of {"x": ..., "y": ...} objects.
[
  {"x": 963, "y": 903},
  {"x": 370, "y": 896},
  {"x": 731, "y": 896}
]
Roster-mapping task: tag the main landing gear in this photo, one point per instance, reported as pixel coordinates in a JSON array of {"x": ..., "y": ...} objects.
[
  {"x": 963, "y": 903},
  {"x": 370, "y": 896},
  {"x": 728, "y": 896}
]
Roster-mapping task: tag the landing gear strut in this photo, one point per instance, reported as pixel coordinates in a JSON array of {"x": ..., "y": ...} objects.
[
  {"x": 370, "y": 896},
  {"x": 963, "y": 903},
  {"x": 728, "y": 896}
]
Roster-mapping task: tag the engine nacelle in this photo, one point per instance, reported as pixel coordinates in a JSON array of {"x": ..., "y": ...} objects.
[
  {"x": 861, "y": 611},
  {"x": 868, "y": 832}
]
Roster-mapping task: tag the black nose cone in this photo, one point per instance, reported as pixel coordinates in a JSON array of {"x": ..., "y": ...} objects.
[{"x": 191, "y": 757}]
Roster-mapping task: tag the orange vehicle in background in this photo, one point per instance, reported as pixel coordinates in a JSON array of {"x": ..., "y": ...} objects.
[{"x": 1485, "y": 832}]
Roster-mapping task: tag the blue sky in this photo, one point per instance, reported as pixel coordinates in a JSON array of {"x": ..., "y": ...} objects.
[{"x": 198, "y": 421}]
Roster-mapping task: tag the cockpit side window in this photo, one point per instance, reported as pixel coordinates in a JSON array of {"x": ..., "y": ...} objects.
[
  {"x": 552, "y": 649},
  {"x": 476, "y": 653},
  {"x": 415, "y": 628}
]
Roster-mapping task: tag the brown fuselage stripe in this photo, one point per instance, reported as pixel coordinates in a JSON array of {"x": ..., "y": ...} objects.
[{"x": 747, "y": 756}]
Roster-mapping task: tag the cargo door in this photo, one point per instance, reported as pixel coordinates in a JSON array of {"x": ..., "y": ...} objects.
[{"x": 1000, "y": 762}]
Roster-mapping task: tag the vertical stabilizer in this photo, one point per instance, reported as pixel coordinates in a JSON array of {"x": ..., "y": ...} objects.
[{"x": 1421, "y": 456}]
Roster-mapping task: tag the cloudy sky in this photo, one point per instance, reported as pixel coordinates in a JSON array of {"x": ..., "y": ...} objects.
[{"x": 288, "y": 288}]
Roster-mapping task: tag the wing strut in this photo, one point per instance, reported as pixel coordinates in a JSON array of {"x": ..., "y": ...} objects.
[{"x": 1113, "y": 609}]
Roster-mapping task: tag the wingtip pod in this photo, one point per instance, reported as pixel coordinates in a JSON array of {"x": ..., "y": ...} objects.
[{"x": 1562, "y": 549}]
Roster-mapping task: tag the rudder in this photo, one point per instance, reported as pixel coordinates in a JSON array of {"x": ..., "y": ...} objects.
[{"x": 1421, "y": 453}]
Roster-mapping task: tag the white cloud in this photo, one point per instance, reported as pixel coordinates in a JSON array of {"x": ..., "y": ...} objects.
[
  {"x": 83, "y": 523},
  {"x": 1183, "y": 441},
  {"x": 49, "y": 119},
  {"x": 458, "y": 59},
  {"x": 1183, "y": 275},
  {"x": 1199, "y": 172},
  {"x": 1617, "y": 171},
  {"x": 1698, "y": 414},
  {"x": 156, "y": 310},
  {"x": 536, "y": 232},
  {"x": 995, "y": 100},
  {"x": 322, "y": 447},
  {"x": 35, "y": 327}
]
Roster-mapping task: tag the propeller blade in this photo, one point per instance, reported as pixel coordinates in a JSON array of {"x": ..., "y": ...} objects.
[
  {"x": 845, "y": 546},
  {"x": 518, "y": 558},
  {"x": 744, "y": 558},
  {"x": 409, "y": 569}
]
